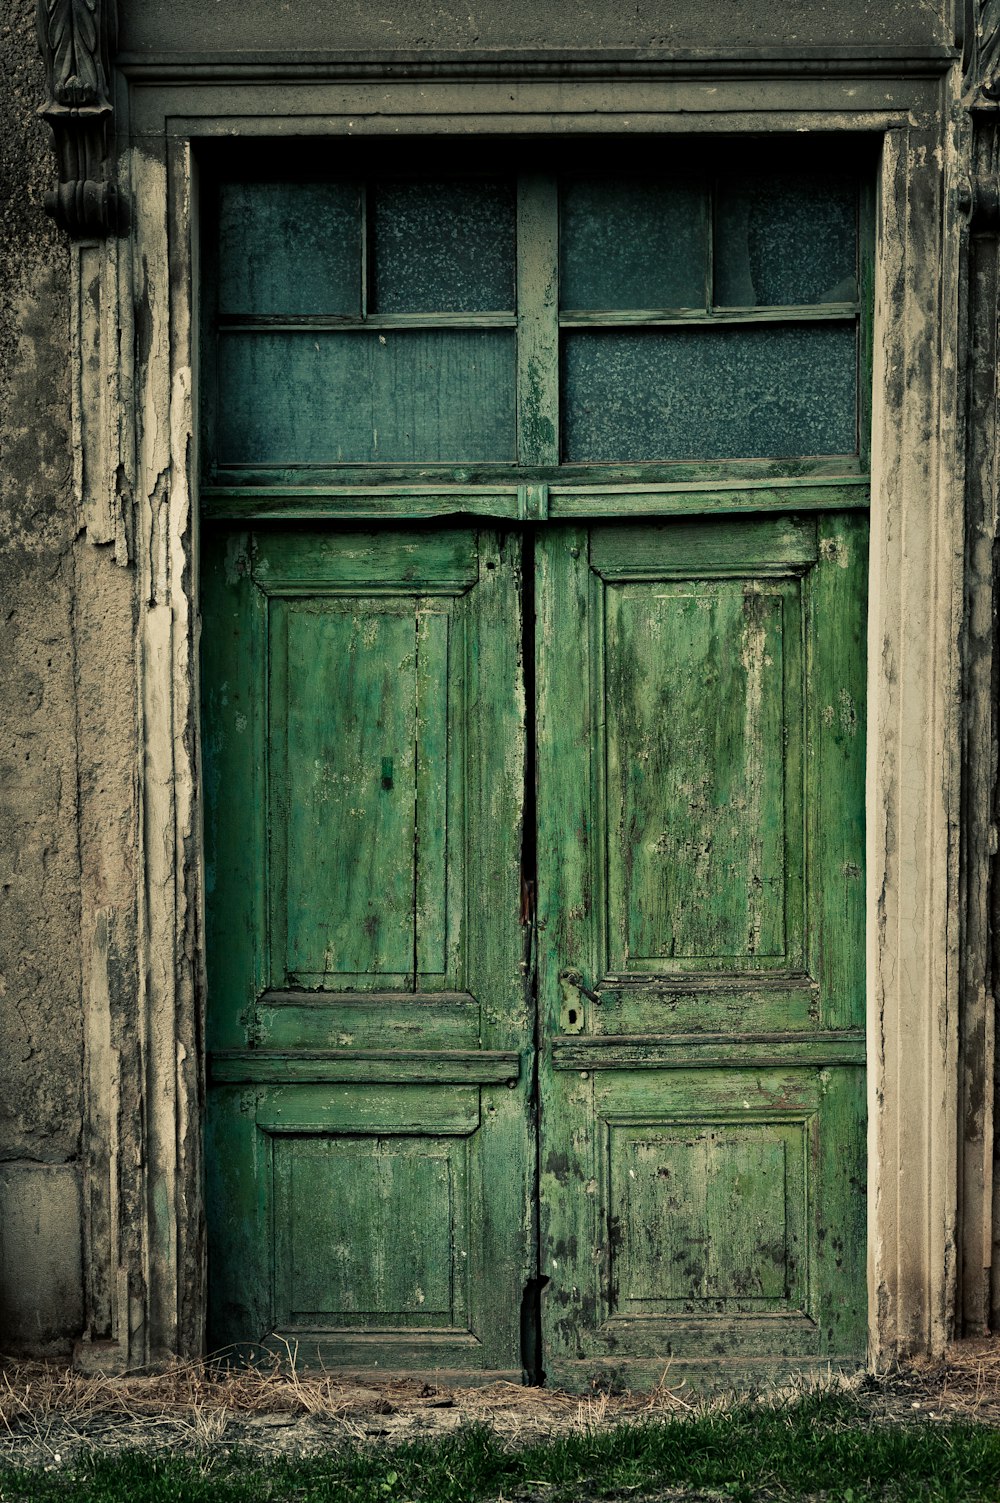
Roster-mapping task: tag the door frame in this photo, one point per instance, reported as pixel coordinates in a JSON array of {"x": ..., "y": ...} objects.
[{"x": 149, "y": 1191}]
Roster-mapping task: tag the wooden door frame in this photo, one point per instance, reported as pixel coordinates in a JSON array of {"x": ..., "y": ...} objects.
[{"x": 915, "y": 602}]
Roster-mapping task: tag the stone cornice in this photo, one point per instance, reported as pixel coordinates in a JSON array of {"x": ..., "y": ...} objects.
[{"x": 609, "y": 63}]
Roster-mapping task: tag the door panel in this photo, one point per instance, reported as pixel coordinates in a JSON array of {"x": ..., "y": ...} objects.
[
  {"x": 701, "y": 925},
  {"x": 360, "y": 887},
  {"x": 369, "y": 1148},
  {"x": 697, "y": 767}
]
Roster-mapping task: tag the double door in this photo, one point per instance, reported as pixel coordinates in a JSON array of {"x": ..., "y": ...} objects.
[{"x": 535, "y": 938}]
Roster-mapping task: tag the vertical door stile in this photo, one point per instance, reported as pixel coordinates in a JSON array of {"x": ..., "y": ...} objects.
[
  {"x": 273, "y": 672},
  {"x": 505, "y": 1257},
  {"x": 566, "y": 884}
]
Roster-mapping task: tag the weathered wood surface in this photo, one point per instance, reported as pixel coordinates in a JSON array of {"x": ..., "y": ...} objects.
[
  {"x": 701, "y": 830},
  {"x": 375, "y": 1067},
  {"x": 369, "y": 1140},
  {"x": 668, "y": 497}
]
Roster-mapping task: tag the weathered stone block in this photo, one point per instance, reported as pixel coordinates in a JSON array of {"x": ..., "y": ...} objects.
[{"x": 41, "y": 1282}]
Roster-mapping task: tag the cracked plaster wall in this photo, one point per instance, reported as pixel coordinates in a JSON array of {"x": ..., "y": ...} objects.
[
  {"x": 67, "y": 690},
  {"x": 190, "y": 26}
]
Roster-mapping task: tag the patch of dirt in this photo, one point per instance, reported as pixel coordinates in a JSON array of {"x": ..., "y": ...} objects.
[
  {"x": 49, "y": 1415},
  {"x": 963, "y": 1384}
]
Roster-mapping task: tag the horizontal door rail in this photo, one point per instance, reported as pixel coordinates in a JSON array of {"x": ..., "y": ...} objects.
[
  {"x": 374, "y": 1066},
  {"x": 531, "y": 501},
  {"x": 357, "y": 1000},
  {"x": 705, "y": 1051}
]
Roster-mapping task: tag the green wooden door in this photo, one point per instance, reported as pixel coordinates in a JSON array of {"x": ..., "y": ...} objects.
[
  {"x": 534, "y": 569},
  {"x": 369, "y": 1026},
  {"x": 701, "y": 961}
]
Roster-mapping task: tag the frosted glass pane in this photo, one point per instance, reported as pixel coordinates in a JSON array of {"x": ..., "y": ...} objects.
[
  {"x": 289, "y": 248},
  {"x": 722, "y": 393},
  {"x": 443, "y": 247},
  {"x": 364, "y": 398},
  {"x": 632, "y": 243},
  {"x": 785, "y": 240}
]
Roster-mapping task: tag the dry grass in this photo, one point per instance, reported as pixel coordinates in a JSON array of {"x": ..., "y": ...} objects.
[
  {"x": 200, "y": 1389},
  {"x": 964, "y": 1383},
  {"x": 48, "y": 1412},
  {"x": 41, "y": 1389}
]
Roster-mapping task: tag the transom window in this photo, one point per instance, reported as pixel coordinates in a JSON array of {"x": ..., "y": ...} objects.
[{"x": 538, "y": 321}]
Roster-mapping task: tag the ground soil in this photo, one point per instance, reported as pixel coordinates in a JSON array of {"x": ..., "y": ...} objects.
[{"x": 50, "y": 1415}]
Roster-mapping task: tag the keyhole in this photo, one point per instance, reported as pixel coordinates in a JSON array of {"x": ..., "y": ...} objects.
[
  {"x": 386, "y": 772},
  {"x": 572, "y": 1014}
]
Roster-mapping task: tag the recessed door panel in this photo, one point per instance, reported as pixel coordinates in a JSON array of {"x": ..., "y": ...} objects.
[
  {"x": 358, "y": 793},
  {"x": 346, "y": 786},
  {"x": 391, "y": 1217},
  {"x": 706, "y": 1216},
  {"x": 700, "y": 743}
]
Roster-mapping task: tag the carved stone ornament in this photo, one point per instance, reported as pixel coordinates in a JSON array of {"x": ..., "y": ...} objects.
[
  {"x": 77, "y": 41},
  {"x": 981, "y": 61}
]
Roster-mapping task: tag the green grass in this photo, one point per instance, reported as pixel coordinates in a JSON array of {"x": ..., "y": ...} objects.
[{"x": 824, "y": 1447}]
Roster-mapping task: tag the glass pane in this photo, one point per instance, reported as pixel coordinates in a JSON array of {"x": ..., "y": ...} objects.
[
  {"x": 290, "y": 248},
  {"x": 721, "y": 393},
  {"x": 632, "y": 243},
  {"x": 785, "y": 240},
  {"x": 365, "y": 397},
  {"x": 443, "y": 247}
]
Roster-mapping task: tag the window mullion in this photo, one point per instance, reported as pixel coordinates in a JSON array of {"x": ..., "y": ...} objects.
[
  {"x": 365, "y": 251},
  {"x": 866, "y": 298},
  {"x": 537, "y": 320},
  {"x": 710, "y": 246}
]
